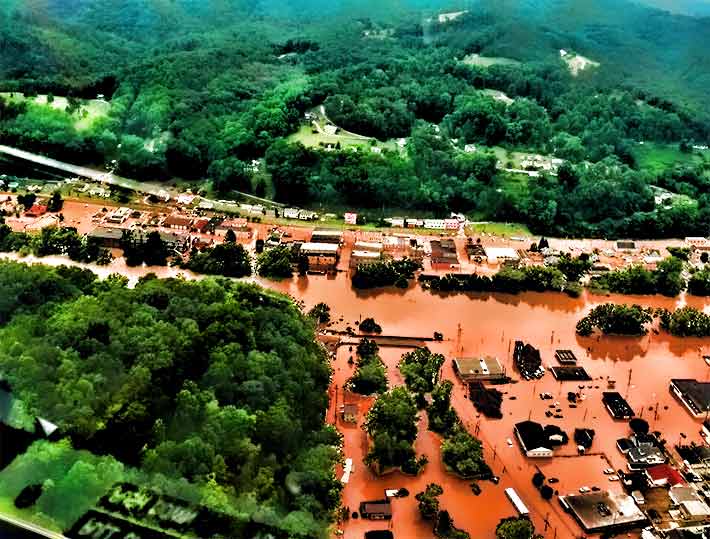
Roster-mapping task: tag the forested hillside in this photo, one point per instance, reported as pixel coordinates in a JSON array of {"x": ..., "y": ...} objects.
[
  {"x": 216, "y": 382},
  {"x": 201, "y": 89}
]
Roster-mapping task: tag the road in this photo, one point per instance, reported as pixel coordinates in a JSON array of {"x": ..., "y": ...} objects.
[
  {"x": 13, "y": 528},
  {"x": 148, "y": 188}
]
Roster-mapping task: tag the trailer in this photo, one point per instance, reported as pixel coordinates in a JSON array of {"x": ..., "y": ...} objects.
[{"x": 516, "y": 501}]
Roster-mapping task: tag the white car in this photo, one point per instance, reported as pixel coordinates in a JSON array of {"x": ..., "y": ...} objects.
[
  {"x": 609, "y": 471},
  {"x": 613, "y": 478},
  {"x": 509, "y": 442},
  {"x": 584, "y": 490}
]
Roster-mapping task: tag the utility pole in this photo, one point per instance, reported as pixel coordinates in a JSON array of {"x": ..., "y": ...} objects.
[{"x": 628, "y": 384}]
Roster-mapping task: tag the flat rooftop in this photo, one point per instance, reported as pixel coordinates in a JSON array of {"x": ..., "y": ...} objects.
[
  {"x": 479, "y": 366},
  {"x": 501, "y": 252},
  {"x": 601, "y": 511},
  {"x": 695, "y": 395},
  {"x": 311, "y": 247}
]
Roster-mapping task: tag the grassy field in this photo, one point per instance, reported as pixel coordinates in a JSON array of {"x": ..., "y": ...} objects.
[
  {"x": 91, "y": 109},
  {"x": 658, "y": 157},
  {"x": 499, "y": 229},
  {"x": 309, "y": 139}
]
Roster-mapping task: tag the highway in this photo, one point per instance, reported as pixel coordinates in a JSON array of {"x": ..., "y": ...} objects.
[{"x": 148, "y": 188}]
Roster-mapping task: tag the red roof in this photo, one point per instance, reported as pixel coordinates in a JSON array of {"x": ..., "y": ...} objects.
[
  {"x": 201, "y": 224},
  {"x": 665, "y": 472},
  {"x": 36, "y": 210}
]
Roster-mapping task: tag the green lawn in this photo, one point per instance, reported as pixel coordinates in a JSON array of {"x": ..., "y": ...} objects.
[
  {"x": 658, "y": 157},
  {"x": 499, "y": 229},
  {"x": 90, "y": 111}
]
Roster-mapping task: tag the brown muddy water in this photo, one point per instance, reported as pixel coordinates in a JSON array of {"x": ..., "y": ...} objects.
[{"x": 489, "y": 324}]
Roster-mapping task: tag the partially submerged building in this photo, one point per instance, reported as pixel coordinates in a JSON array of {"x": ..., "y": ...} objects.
[
  {"x": 321, "y": 256},
  {"x": 484, "y": 369},
  {"x": 537, "y": 441},
  {"x": 694, "y": 395},
  {"x": 604, "y": 512}
]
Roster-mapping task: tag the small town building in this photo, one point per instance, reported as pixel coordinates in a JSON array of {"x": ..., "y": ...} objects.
[
  {"x": 119, "y": 216},
  {"x": 201, "y": 225},
  {"x": 501, "y": 254},
  {"x": 239, "y": 224},
  {"x": 604, "y": 512},
  {"x": 484, "y": 369},
  {"x": 327, "y": 236},
  {"x": 690, "y": 503},
  {"x": 699, "y": 243},
  {"x": 396, "y": 222},
  {"x": 625, "y": 246},
  {"x": 108, "y": 237},
  {"x": 290, "y": 213},
  {"x": 694, "y": 395},
  {"x": 177, "y": 221},
  {"x": 358, "y": 258},
  {"x": 45, "y": 221},
  {"x": 663, "y": 475},
  {"x": 321, "y": 256},
  {"x": 532, "y": 440},
  {"x": 642, "y": 457},
  {"x": 435, "y": 224},
  {"x": 37, "y": 210},
  {"x": 376, "y": 510}
]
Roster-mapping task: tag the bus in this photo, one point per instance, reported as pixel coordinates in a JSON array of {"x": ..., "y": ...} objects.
[{"x": 516, "y": 501}]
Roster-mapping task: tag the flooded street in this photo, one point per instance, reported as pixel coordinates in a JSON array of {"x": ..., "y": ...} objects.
[{"x": 489, "y": 324}]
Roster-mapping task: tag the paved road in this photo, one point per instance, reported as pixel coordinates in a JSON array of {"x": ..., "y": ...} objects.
[
  {"x": 12, "y": 528},
  {"x": 148, "y": 188}
]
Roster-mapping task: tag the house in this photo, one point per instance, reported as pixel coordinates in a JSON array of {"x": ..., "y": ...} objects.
[
  {"x": 177, "y": 221},
  {"x": 321, "y": 256},
  {"x": 330, "y": 129},
  {"x": 532, "y": 439},
  {"x": 484, "y": 368},
  {"x": 185, "y": 199},
  {"x": 451, "y": 224},
  {"x": 290, "y": 213},
  {"x": 108, "y": 237},
  {"x": 119, "y": 216},
  {"x": 37, "y": 210},
  {"x": 348, "y": 413},
  {"x": 201, "y": 225},
  {"x": 663, "y": 475},
  {"x": 694, "y": 395},
  {"x": 376, "y": 510},
  {"x": 396, "y": 222}
]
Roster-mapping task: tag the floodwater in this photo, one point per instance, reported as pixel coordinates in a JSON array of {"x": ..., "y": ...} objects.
[{"x": 489, "y": 324}]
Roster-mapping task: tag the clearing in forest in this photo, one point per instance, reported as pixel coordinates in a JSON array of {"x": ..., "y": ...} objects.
[
  {"x": 577, "y": 63},
  {"x": 487, "y": 61},
  {"x": 89, "y": 110}
]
